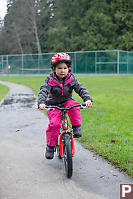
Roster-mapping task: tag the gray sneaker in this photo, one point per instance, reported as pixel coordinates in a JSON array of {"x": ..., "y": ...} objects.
[{"x": 49, "y": 154}]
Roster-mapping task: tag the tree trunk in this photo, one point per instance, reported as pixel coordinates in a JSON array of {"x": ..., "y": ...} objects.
[
  {"x": 36, "y": 35},
  {"x": 18, "y": 39}
]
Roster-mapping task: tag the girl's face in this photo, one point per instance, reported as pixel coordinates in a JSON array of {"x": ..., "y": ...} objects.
[{"x": 61, "y": 70}]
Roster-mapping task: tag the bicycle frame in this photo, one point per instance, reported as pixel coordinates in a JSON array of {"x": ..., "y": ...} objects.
[{"x": 64, "y": 132}]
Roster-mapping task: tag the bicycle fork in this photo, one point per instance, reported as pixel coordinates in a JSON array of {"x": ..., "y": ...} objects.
[
  {"x": 64, "y": 133},
  {"x": 62, "y": 140}
]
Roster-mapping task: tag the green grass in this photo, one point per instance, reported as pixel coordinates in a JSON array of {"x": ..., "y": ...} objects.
[
  {"x": 107, "y": 127},
  {"x": 3, "y": 91}
]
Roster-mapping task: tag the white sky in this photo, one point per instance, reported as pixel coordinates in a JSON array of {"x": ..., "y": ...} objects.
[{"x": 3, "y": 4}]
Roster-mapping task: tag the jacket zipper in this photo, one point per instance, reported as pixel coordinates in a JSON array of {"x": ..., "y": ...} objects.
[{"x": 62, "y": 88}]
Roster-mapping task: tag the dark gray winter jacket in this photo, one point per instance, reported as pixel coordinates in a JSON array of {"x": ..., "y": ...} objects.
[{"x": 55, "y": 92}]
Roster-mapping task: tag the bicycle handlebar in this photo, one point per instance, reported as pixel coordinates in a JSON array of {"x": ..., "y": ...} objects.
[{"x": 81, "y": 106}]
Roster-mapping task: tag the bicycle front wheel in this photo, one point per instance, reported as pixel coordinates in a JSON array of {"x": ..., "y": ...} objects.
[{"x": 68, "y": 157}]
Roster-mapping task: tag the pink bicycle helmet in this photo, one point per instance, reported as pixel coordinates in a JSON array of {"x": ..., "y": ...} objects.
[{"x": 61, "y": 57}]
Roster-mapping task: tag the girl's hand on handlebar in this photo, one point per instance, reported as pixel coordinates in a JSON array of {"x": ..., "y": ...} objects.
[
  {"x": 88, "y": 103},
  {"x": 42, "y": 106}
]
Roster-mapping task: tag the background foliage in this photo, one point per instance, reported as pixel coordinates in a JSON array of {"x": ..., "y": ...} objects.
[{"x": 37, "y": 26}]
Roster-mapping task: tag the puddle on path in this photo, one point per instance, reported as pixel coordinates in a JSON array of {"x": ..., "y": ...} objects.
[{"x": 16, "y": 101}]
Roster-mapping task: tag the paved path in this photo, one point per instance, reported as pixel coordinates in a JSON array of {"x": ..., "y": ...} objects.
[{"x": 26, "y": 174}]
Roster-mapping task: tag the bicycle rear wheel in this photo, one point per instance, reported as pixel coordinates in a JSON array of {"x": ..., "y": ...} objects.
[{"x": 68, "y": 156}]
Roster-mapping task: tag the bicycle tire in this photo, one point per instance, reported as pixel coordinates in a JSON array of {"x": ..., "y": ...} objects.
[{"x": 68, "y": 157}]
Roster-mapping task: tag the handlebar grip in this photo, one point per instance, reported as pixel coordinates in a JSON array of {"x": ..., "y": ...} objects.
[{"x": 83, "y": 104}]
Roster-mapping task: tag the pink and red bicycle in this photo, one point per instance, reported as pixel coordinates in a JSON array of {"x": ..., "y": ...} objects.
[{"x": 65, "y": 146}]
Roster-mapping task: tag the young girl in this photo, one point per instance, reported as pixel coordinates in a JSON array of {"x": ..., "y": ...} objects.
[{"x": 57, "y": 90}]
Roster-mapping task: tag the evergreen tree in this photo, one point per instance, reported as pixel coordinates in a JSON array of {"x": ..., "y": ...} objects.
[{"x": 36, "y": 26}]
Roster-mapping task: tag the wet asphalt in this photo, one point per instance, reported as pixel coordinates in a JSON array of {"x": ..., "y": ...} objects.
[{"x": 24, "y": 171}]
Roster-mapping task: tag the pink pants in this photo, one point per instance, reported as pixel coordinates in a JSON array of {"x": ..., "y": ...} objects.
[{"x": 54, "y": 125}]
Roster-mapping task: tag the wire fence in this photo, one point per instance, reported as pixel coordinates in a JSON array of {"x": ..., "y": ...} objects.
[{"x": 88, "y": 62}]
